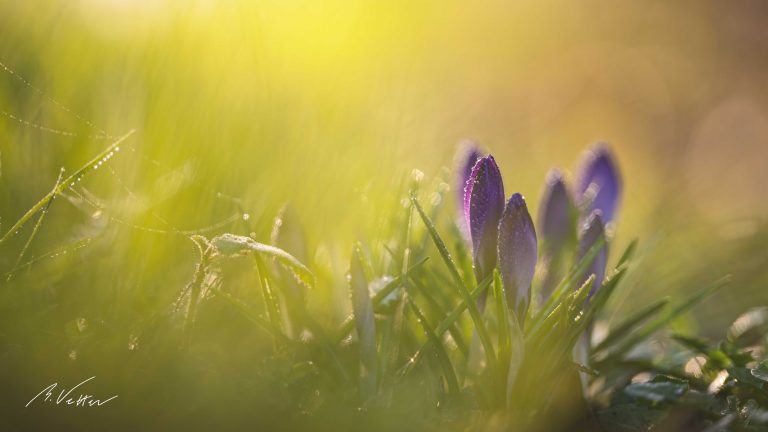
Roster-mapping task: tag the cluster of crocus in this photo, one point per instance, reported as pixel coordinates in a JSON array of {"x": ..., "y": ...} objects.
[{"x": 503, "y": 235}]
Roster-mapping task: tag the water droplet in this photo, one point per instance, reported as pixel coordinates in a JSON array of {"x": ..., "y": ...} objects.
[
  {"x": 133, "y": 342},
  {"x": 82, "y": 325}
]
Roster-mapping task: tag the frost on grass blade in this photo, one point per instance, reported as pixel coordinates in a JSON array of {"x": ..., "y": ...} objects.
[
  {"x": 230, "y": 244},
  {"x": 517, "y": 253},
  {"x": 362, "y": 310}
]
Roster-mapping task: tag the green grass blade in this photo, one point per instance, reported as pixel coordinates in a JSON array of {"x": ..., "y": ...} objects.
[
  {"x": 63, "y": 185},
  {"x": 452, "y": 317},
  {"x": 651, "y": 328},
  {"x": 576, "y": 272},
  {"x": 365, "y": 324},
  {"x": 629, "y": 252},
  {"x": 440, "y": 311},
  {"x": 442, "y": 355},
  {"x": 230, "y": 244},
  {"x": 474, "y": 312},
  {"x": 546, "y": 324},
  {"x": 444, "y": 325},
  {"x": 35, "y": 230},
  {"x": 504, "y": 343},
  {"x": 349, "y": 323},
  {"x": 600, "y": 298},
  {"x": 631, "y": 323},
  {"x": 250, "y": 314},
  {"x": 270, "y": 300}
]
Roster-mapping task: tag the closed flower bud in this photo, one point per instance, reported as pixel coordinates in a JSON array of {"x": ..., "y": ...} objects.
[
  {"x": 592, "y": 231},
  {"x": 557, "y": 222},
  {"x": 483, "y": 205},
  {"x": 517, "y": 253},
  {"x": 600, "y": 182}
]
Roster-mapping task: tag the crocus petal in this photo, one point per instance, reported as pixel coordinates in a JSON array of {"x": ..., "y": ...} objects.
[
  {"x": 466, "y": 158},
  {"x": 592, "y": 231},
  {"x": 600, "y": 175},
  {"x": 483, "y": 204},
  {"x": 517, "y": 252},
  {"x": 557, "y": 224}
]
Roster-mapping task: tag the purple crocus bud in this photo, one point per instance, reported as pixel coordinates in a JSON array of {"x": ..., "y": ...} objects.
[
  {"x": 592, "y": 231},
  {"x": 557, "y": 222},
  {"x": 600, "y": 181},
  {"x": 483, "y": 204},
  {"x": 466, "y": 157},
  {"x": 517, "y": 252}
]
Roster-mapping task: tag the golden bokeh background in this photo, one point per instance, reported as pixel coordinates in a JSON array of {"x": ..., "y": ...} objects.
[{"x": 329, "y": 105}]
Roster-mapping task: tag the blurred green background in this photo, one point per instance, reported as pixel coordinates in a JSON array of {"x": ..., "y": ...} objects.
[{"x": 242, "y": 106}]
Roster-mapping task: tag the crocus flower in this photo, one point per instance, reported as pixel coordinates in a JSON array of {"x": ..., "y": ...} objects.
[
  {"x": 466, "y": 157},
  {"x": 592, "y": 231},
  {"x": 517, "y": 253},
  {"x": 557, "y": 227},
  {"x": 600, "y": 175},
  {"x": 556, "y": 214},
  {"x": 483, "y": 205}
]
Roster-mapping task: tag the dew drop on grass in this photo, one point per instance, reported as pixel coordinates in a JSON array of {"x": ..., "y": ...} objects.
[
  {"x": 133, "y": 342},
  {"x": 82, "y": 324}
]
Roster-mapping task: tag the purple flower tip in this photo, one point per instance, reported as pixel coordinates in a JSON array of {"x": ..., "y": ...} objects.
[
  {"x": 592, "y": 231},
  {"x": 483, "y": 205},
  {"x": 466, "y": 157},
  {"x": 600, "y": 176},
  {"x": 517, "y": 252},
  {"x": 556, "y": 212}
]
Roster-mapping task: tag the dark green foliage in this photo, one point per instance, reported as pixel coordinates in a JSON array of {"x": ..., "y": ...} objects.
[{"x": 413, "y": 350}]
